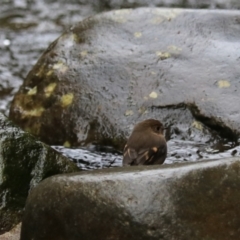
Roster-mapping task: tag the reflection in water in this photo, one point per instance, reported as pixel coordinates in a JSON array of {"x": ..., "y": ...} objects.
[{"x": 178, "y": 151}]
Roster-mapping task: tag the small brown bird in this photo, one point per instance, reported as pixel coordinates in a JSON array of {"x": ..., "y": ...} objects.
[{"x": 146, "y": 145}]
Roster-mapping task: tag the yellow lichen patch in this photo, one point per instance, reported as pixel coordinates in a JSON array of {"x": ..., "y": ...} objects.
[
  {"x": 36, "y": 112},
  {"x": 153, "y": 95},
  {"x": 223, "y": 84},
  {"x": 168, "y": 14},
  {"x": 67, "y": 144},
  {"x": 142, "y": 110},
  {"x": 123, "y": 12},
  {"x": 49, "y": 89},
  {"x": 60, "y": 66},
  {"x": 129, "y": 113},
  {"x": 40, "y": 71},
  {"x": 137, "y": 34},
  {"x": 120, "y": 19},
  {"x": 32, "y": 91},
  {"x": 120, "y": 16},
  {"x": 197, "y": 125},
  {"x": 49, "y": 73},
  {"x": 157, "y": 20},
  {"x": 68, "y": 39},
  {"x": 67, "y": 99},
  {"x": 84, "y": 53},
  {"x": 174, "y": 49},
  {"x": 74, "y": 37},
  {"x": 163, "y": 55},
  {"x": 153, "y": 73}
]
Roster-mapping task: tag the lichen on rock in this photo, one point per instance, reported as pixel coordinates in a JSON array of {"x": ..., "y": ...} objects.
[{"x": 102, "y": 76}]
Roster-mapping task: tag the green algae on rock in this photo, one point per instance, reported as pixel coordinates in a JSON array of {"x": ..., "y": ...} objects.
[{"x": 24, "y": 162}]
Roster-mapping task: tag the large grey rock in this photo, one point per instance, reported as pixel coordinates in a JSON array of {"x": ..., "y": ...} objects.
[
  {"x": 26, "y": 34},
  {"x": 117, "y": 68},
  {"x": 177, "y": 202},
  {"x": 24, "y": 162}
]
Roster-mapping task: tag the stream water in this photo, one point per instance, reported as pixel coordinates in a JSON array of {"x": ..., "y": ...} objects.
[{"x": 95, "y": 157}]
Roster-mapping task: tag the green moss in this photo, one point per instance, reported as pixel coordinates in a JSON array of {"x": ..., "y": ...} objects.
[{"x": 24, "y": 162}]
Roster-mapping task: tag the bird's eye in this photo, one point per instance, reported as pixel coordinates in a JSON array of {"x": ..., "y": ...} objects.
[{"x": 158, "y": 128}]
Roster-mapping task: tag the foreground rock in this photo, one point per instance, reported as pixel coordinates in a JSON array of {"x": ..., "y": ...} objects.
[
  {"x": 24, "y": 162},
  {"x": 101, "y": 77},
  {"x": 182, "y": 202}
]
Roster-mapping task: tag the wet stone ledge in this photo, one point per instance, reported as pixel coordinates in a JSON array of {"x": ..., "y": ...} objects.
[{"x": 179, "y": 202}]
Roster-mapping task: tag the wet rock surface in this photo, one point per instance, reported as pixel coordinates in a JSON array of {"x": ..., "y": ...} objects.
[
  {"x": 27, "y": 28},
  {"x": 187, "y": 201},
  {"x": 24, "y": 162},
  {"x": 102, "y": 76}
]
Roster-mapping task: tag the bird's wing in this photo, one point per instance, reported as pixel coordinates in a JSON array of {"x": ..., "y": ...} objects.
[
  {"x": 129, "y": 155},
  {"x": 145, "y": 156},
  {"x": 150, "y": 152},
  {"x": 156, "y": 155}
]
